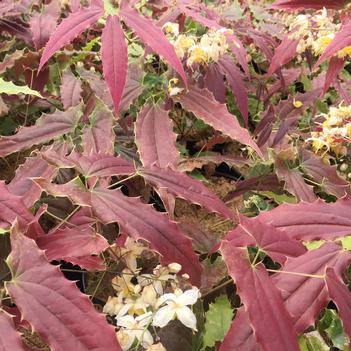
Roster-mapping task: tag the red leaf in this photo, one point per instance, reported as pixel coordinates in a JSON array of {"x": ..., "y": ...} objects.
[
  {"x": 71, "y": 242},
  {"x": 324, "y": 174},
  {"x": 183, "y": 186},
  {"x": 43, "y": 24},
  {"x": 152, "y": 36},
  {"x": 99, "y": 136},
  {"x": 100, "y": 165},
  {"x": 309, "y": 4},
  {"x": 341, "y": 40},
  {"x": 141, "y": 221},
  {"x": 295, "y": 183},
  {"x": 68, "y": 29},
  {"x": 12, "y": 208},
  {"x": 336, "y": 64},
  {"x": 22, "y": 185},
  {"x": 258, "y": 293},
  {"x": 277, "y": 244},
  {"x": 114, "y": 54},
  {"x": 240, "y": 336},
  {"x": 52, "y": 305},
  {"x": 47, "y": 127},
  {"x": 133, "y": 87},
  {"x": 155, "y": 137},
  {"x": 214, "y": 82},
  {"x": 312, "y": 221},
  {"x": 305, "y": 296},
  {"x": 10, "y": 339},
  {"x": 237, "y": 85},
  {"x": 74, "y": 190},
  {"x": 284, "y": 53},
  {"x": 70, "y": 90},
  {"x": 341, "y": 296},
  {"x": 202, "y": 103}
]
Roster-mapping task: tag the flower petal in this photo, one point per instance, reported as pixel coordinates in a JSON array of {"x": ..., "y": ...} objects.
[
  {"x": 126, "y": 321},
  {"x": 187, "y": 317},
  {"x": 166, "y": 298},
  {"x": 188, "y": 297},
  {"x": 163, "y": 316}
]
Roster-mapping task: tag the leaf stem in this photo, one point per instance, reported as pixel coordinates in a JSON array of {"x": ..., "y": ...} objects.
[{"x": 318, "y": 276}]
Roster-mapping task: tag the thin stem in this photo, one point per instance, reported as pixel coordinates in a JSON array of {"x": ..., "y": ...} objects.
[
  {"x": 123, "y": 180},
  {"x": 318, "y": 276},
  {"x": 227, "y": 282}
]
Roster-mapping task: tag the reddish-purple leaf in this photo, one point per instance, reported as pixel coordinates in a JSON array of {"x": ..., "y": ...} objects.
[
  {"x": 133, "y": 87},
  {"x": 98, "y": 85},
  {"x": 284, "y": 53},
  {"x": 90, "y": 263},
  {"x": 155, "y": 137},
  {"x": 99, "y": 136},
  {"x": 100, "y": 165},
  {"x": 294, "y": 182},
  {"x": 12, "y": 207},
  {"x": 189, "y": 164},
  {"x": 68, "y": 29},
  {"x": 312, "y": 221},
  {"x": 214, "y": 82},
  {"x": 70, "y": 90},
  {"x": 152, "y": 36},
  {"x": 142, "y": 221},
  {"x": 43, "y": 24},
  {"x": 47, "y": 127},
  {"x": 114, "y": 55},
  {"x": 341, "y": 296},
  {"x": 239, "y": 51},
  {"x": 74, "y": 190},
  {"x": 10, "y": 60},
  {"x": 305, "y": 296},
  {"x": 237, "y": 85},
  {"x": 268, "y": 182},
  {"x": 202, "y": 103},
  {"x": 258, "y": 293},
  {"x": 341, "y": 40},
  {"x": 309, "y": 4},
  {"x": 71, "y": 242},
  {"x": 54, "y": 306},
  {"x": 10, "y": 339},
  {"x": 240, "y": 336},
  {"x": 22, "y": 185},
  {"x": 276, "y": 243},
  {"x": 336, "y": 64},
  {"x": 183, "y": 186},
  {"x": 324, "y": 174}
]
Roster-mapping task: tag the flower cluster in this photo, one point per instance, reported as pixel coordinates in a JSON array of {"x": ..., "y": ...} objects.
[
  {"x": 148, "y": 299},
  {"x": 206, "y": 49},
  {"x": 314, "y": 32},
  {"x": 334, "y": 132}
]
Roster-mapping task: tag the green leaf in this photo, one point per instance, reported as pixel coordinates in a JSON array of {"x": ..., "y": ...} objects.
[
  {"x": 312, "y": 342},
  {"x": 313, "y": 245},
  {"x": 346, "y": 243},
  {"x": 218, "y": 320},
  {"x": 10, "y": 88},
  {"x": 332, "y": 326},
  {"x": 279, "y": 198}
]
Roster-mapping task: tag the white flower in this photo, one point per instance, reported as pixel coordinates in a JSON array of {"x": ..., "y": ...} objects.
[
  {"x": 176, "y": 306},
  {"x": 171, "y": 28},
  {"x": 136, "y": 328},
  {"x": 113, "y": 305},
  {"x": 174, "y": 267}
]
